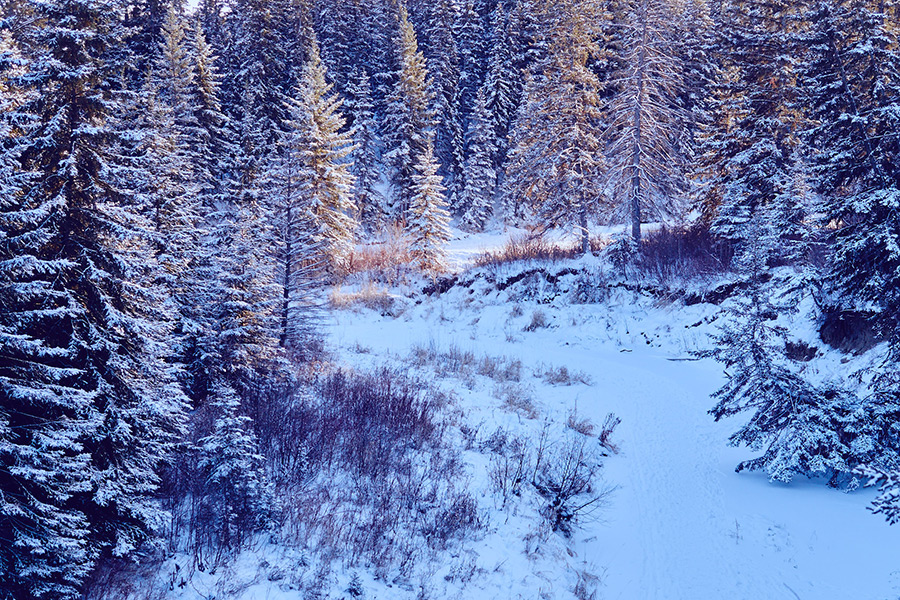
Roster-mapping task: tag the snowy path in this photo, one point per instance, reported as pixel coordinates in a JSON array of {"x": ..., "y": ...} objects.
[{"x": 682, "y": 525}]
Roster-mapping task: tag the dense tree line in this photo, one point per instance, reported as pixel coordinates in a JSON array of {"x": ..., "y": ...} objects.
[{"x": 174, "y": 184}]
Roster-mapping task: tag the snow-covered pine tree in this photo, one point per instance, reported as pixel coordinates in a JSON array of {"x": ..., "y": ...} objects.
[
  {"x": 214, "y": 148},
  {"x": 89, "y": 407},
  {"x": 502, "y": 87},
  {"x": 43, "y": 463},
  {"x": 428, "y": 222},
  {"x": 556, "y": 159},
  {"x": 171, "y": 174},
  {"x": 214, "y": 153},
  {"x": 266, "y": 42},
  {"x": 236, "y": 495},
  {"x": 442, "y": 56},
  {"x": 470, "y": 40},
  {"x": 646, "y": 163},
  {"x": 796, "y": 424},
  {"x": 244, "y": 337},
  {"x": 480, "y": 176},
  {"x": 851, "y": 87},
  {"x": 747, "y": 144},
  {"x": 360, "y": 108},
  {"x": 410, "y": 120},
  {"x": 318, "y": 142}
]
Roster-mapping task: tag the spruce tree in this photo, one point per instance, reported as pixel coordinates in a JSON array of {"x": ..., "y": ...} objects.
[
  {"x": 442, "y": 56},
  {"x": 89, "y": 407},
  {"x": 428, "y": 223},
  {"x": 409, "y": 120},
  {"x": 748, "y": 142},
  {"x": 647, "y": 166},
  {"x": 480, "y": 176},
  {"x": 502, "y": 87},
  {"x": 555, "y": 159},
  {"x": 470, "y": 39},
  {"x": 360, "y": 109},
  {"x": 236, "y": 494},
  {"x": 319, "y": 143},
  {"x": 851, "y": 82},
  {"x": 815, "y": 430}
]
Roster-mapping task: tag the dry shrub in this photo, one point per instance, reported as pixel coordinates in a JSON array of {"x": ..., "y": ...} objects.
[
  {"x": 532, "y": 247},
  {"x": 500, "y": 369},
  {"x": 370, "y": 296},
  {"x": 538, "y": 321},
  {"x": 563, "y": 471},
  {"x": 606, "y": 431},
  {"x": 566, "y": 478},
  {"x": 464, "y": 364},
  {"x": 561, "y": 376},
  {"x": 582, "y": 426},
  {"x": 517, "y": 397},
  {"x": 386, "y": 261},
  {"x": 678, "y": 253},
  {"x": 376, "y": 482}
]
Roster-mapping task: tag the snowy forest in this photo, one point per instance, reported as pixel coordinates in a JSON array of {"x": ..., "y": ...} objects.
[{"x": 285, "y": 286}]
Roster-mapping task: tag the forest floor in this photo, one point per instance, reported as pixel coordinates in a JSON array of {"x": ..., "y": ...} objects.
[
  {"x": 679, "y": 522},
  {"x": 521, "y": 356}
]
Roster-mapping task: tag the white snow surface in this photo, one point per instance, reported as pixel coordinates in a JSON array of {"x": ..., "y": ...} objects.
[{"x": 680, "y": 523}]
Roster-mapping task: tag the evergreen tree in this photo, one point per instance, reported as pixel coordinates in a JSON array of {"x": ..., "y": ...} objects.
[
  {"x": 470, "y": 39},
  {"x": 409, "y": 120},
  {"x": 361, "y": 109},
  {"x": 749, "y": 142},
  {"x": 236, "y": 495},
  {"x": 481, "y": 179},
  {"x": 172, "y": 135},
  {"x": 320, "y": 146},
  {"x": 852, "y": 88},
  {"x": 502, "y": 88},
  {"x": 442, "y": 57},
  {"x": 555, "y": 160},
  {"x": 645, "y": 120},
  {"x": 428, "y": 217},
  {"x": 89, "y": 406},
  {"x": 791, "y": 420}
]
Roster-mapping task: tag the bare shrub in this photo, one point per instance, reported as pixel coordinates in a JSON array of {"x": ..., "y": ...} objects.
[
  {"x": 500, "y": 369},
  {"x": 463, "y": 364},
  {"x": 561, "y": 376},
  {"x": 369, "y": 296},
  {"x": 532, "y": 247},
  {"x": 455, "y": 521},
  {"x": 517, "y": 397},
  {"x": 368, "y": 421},
  {"x": 566, "y": 479},
  {"x": 563, "y": 472},
  {"x": 386, "y": 261},
  {"x": 586, "y": 586},
  {"x": 679, "y": 253},
  {"x": 582, "y": 426},
  {"x": 510, "y": 468},
  {"x": 538, "y": 321},
  {"x": 364, "y": 472},
  {"x": 609, "y": 426}
]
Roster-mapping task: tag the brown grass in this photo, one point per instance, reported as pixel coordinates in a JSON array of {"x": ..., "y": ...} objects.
[
  {"x": 388, "y": 260},
  {"x": 532, "y": 247}
]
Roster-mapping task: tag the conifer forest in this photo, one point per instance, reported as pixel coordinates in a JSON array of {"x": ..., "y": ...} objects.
[{"x": 449, "y": 299}]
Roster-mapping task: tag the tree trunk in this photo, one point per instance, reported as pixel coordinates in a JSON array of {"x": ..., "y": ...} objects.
[
  {"x": 582, "y": 222},
  {"x": 636, "y": 132}
]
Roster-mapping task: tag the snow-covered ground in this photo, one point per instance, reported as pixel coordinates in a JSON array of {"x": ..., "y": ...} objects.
[
  {"x": 677, "y": 524},
  {"x": 681, "y": 523}
]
